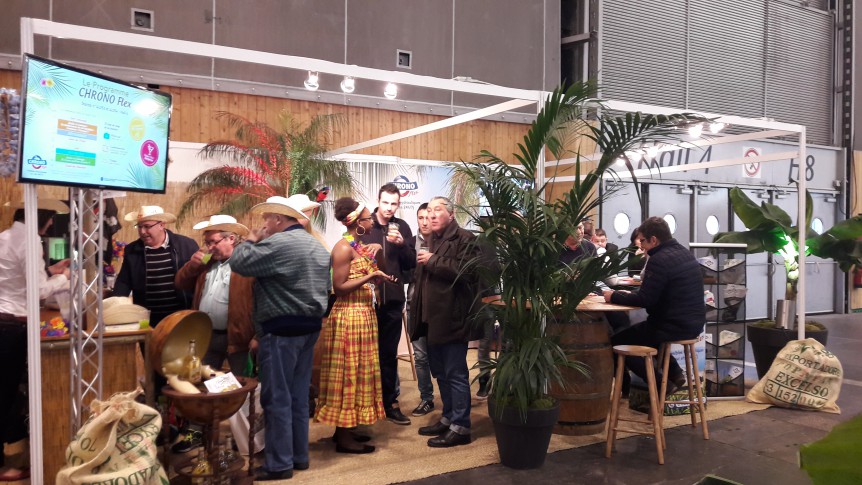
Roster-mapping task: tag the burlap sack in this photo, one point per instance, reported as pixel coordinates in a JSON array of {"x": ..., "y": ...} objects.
[
  {"x": 116, "y": 445},
  {"x": 804, "y": 375}
]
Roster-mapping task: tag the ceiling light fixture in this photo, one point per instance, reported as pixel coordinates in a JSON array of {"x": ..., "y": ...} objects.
[
  {"x": 348, "y": 84},
  {"x": 313, "y": 81},
  {"x": 714, "y": 128},
  {"x": 695, "y": 130},
  {"x": 652, "y": 152},
  {"x": 391, "y": 91}
]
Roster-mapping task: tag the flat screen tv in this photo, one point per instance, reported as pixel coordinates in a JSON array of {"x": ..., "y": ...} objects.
[{"x": 81, "y": 129}]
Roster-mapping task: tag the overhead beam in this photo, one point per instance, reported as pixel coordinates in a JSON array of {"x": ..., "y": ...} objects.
[{"x": 437, "y": 125}]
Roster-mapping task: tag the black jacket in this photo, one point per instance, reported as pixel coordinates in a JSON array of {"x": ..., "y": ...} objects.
[
  {"x": 398, "y": 261},
  {"x": 671, "y": 292},
  {"x": 446, "y": 298},
  {"x": 132, "y": 278}
]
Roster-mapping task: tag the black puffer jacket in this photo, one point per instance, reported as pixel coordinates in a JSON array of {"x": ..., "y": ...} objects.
[{"x": 671, "y": 292}]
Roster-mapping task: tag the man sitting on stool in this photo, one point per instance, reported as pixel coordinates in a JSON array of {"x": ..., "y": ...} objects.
[{"x": 671, "y": 291}]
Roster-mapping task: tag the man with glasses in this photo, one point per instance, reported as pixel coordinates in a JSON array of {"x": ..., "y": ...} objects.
[
  {"x": 150, "y": 264},
  {"x": 221, "y": 293}
]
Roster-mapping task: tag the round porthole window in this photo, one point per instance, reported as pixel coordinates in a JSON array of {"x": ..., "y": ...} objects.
[
  {"x": 622, "y": 224},
  {"x": 712, "y": 225},
  {"x": 671, "y": 222},
  {"x": 817, "y": 225}
]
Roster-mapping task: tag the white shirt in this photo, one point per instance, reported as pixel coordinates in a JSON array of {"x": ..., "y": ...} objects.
[
  {"x": 13, "y": 286},
  {"x": 215, "y": 294}
]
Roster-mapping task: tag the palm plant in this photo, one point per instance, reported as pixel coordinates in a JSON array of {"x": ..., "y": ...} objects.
[
  {"x": 528, "y": 233},
  {"x": 771, "y": 229},
  {"x": 263, "y": 161}
]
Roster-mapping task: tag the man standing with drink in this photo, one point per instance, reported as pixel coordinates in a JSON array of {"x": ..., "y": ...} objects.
[{"x": 399, "y": 256}]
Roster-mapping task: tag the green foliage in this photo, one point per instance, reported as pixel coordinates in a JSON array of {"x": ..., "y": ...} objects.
[
  {"x": 263, "y": 161},
  {"x": 771, "y": 230},
  {"x": 528, "y": 233}
]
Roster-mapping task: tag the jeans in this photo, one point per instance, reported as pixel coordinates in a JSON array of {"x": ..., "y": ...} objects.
[
  {"x": 217, "y": 353},
  {"x": 423, "y": 371},
  {"x": 285, "y": 375},
  {"x": 389, "y": 326},
  {"x": 484, "y": 350},
  {"x": 449, "y": 366},
  {"x": 641, "y": 334}
]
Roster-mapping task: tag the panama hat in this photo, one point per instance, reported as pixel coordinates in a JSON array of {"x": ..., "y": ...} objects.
[
  {"x": 43, "y": 203},
  {"x": 303, "y": 202},
  {"x": 221, "y": 222},
  {"x": 280, "y": 205},
  {"x": 150, "y": 213}
]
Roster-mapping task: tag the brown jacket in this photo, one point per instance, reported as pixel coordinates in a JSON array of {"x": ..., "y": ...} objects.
[
  {"x": 240, "y": 326},
  {"x": 446, "y": 297}
]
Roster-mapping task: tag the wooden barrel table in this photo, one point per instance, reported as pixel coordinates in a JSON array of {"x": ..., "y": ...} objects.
[{"x": 584, "y": 401}]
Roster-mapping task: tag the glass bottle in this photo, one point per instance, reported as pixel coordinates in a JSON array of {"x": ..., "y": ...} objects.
[
  {"x": 202, "y": 469},
  {"x": 191, "y": 370},
  {"x": 222, "y": 464},
  {"x": 229, "y": 451}
]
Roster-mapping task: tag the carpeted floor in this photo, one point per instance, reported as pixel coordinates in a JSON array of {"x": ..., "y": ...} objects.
[{"x": 403, "y": 455}]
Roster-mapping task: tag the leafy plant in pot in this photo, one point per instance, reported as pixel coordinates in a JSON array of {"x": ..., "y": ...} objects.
[
  {"x": 527, "y": 232},
  {"x": 771, "y": 229}
]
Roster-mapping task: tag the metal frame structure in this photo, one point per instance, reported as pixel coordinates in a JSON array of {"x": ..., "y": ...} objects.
[
  {"x": 86, "y": 223},
  {"x": 518, "y": 97}
]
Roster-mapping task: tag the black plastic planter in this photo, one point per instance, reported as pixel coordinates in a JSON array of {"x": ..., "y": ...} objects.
[
  {"x": 766, "y": 342},
  {"x": 523, "y": 444}
]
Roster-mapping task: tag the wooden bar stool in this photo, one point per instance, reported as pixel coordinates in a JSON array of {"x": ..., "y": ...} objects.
[
  {"x": 692, "y": 380},
  {"x": 409, "y": 357},
  {"x": 647, "y": 353}
]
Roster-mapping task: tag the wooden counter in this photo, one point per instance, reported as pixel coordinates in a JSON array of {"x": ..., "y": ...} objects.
[{"x": 119, "y": 374}]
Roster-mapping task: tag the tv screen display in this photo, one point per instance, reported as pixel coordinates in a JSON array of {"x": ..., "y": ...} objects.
[{"x": 83, "y": 129}]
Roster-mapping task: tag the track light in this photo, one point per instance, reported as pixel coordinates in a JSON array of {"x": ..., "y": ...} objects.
[
  {"x": 695, "y": 130},
  {"x": 391, "y": 91},
  {"x": 313, "y": 81},
  {"x": 652, "y": 152},
  {"x": 714, "y": 128},
  {"x": 348, "y": 84}
]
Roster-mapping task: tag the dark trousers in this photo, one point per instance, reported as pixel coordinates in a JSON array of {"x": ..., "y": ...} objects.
[
  {"x": 389, "y": 326},
  {"x": 13, "y": 362},
  {"x": 449, "y": 366},
  {"x": 641, "y": 334}
]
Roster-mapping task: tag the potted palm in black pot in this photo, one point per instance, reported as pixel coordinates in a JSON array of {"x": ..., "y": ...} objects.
[
  {"x": 771, "y": 229},
  {"x": 527, "y": 232}
]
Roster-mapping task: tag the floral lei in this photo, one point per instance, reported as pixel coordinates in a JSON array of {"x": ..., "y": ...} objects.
[{"x": 361, "y": 249}]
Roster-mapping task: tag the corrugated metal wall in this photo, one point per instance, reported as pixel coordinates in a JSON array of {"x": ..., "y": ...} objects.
[{"x": 751, "y": 58}]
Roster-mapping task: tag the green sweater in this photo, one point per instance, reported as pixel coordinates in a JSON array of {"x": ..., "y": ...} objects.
[{"x": 292, "y": 281}]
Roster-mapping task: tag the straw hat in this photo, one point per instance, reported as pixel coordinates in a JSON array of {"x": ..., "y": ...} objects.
[
  {"x": 119, "y": 310},
  {"x": 150, "y": 213},
  {"x": 302, "y": 200},
  {"x": 221, "y": 222},
  {"x": 280, "y": 205},
  {"x": 43, "y": 203}
]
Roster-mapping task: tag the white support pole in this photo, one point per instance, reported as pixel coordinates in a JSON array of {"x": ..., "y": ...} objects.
[
  {"x": 802, "y": 224},
  {"x": 34, "y": 264}
]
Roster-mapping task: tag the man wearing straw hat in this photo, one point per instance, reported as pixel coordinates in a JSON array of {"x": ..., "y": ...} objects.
[
  {"x": 150, "y": 264},
  {"x": 221, "y": 293},
  {"x": 291, "y": 290},
  {"x": 13, "y": 328}
]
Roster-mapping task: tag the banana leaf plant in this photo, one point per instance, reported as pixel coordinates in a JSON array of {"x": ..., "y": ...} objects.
[
  {"x": 770, "y": 229},
  {"x": 528, "y": 231},
  {"x": 262, "y": 161}
]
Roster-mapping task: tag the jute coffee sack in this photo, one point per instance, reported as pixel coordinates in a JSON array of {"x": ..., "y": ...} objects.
[
  {"x": 117, "y": 445},
  {"x": 804, "y": 375}
]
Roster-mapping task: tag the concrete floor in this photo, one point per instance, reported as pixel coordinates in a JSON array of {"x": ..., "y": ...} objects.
[{"x": 754, "y": 448}]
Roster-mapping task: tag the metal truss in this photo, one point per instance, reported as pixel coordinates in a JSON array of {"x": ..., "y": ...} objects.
[{"x": 85, "y": 343}]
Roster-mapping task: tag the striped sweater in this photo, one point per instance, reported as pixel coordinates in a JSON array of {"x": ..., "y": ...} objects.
[{"x": 292, "y": 284}]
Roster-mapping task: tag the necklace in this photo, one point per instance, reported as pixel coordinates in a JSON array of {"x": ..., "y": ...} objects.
[{"x": 361, "y": 249}]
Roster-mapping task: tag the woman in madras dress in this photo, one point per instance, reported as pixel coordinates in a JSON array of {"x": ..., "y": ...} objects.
[{"x": 350, "y": 392}]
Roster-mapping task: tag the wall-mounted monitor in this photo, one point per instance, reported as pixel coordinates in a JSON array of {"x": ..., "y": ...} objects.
[{"x": 82, "y": 129}]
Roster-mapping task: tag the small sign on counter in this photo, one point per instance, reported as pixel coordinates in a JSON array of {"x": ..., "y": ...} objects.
[{"x": 222, "y": 383}]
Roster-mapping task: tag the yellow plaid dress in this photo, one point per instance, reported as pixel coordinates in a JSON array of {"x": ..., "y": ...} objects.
[{"x": 350, "y": 391}]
